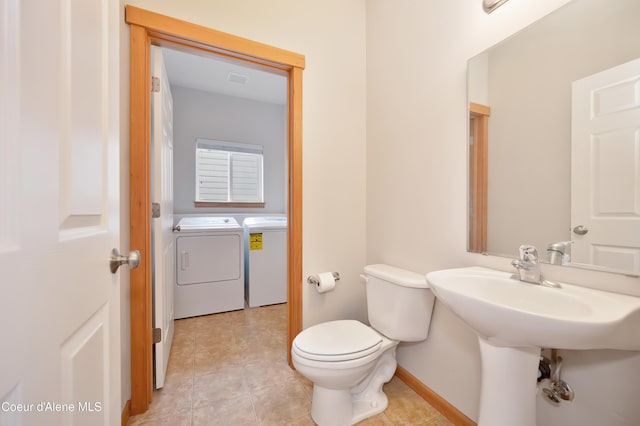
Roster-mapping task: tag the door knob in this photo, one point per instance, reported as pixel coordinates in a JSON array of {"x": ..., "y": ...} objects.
[
  {"x": 580, "y": 230},
  {"x": 116, "y": 260}
]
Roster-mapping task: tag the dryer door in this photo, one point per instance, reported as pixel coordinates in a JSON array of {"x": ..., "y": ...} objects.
[{"x": 208, "y": 258}]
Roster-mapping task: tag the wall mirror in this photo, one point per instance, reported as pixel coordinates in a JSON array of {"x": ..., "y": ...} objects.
[{"x": 554, "y": 137}]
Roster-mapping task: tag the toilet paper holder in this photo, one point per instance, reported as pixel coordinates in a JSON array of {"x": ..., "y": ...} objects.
[{"x": 313, "y": 279}]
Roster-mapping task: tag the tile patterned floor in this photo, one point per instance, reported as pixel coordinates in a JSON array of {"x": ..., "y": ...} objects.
[{"x": 231, "y": 369}]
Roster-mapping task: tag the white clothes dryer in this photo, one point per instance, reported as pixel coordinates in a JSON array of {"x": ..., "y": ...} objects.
[{"x": 209, "y": 266}]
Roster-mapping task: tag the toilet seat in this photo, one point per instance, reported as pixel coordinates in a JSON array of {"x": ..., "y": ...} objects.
[{"x": 341, "y": 340}]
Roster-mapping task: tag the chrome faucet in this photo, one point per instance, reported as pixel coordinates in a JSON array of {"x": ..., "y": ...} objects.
[{"x": 528, "y": 266}]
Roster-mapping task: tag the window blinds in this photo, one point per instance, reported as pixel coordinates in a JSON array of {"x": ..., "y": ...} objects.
[{"x": 228, "y": 171}]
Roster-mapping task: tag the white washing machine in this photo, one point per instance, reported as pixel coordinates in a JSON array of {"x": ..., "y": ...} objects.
[
  {"x": 265, "y": 257},
  {"x": 209, "y": 266}
]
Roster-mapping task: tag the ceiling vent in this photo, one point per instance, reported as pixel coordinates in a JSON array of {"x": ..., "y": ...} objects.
[{"x": 237, "y": 78}]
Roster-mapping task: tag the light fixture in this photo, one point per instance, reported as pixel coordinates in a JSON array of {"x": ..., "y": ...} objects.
[{"x": 491, "y": 5}]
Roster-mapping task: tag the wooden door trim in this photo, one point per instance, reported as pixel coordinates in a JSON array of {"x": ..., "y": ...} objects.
[
  {"x": 147, "y": 28},
  {"x": 478, "y": 168}
]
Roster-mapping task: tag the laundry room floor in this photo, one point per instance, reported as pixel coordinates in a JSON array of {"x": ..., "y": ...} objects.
[{"x": 231, "y": 369}]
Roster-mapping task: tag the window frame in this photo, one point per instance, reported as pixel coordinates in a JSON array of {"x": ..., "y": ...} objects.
[{"x": 230, "y": 148}]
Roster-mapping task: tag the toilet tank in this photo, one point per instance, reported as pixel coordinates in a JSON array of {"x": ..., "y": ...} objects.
[{"x": 399, "y": 302}]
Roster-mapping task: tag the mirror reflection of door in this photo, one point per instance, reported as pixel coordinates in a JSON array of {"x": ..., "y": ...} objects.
[
  {"x": 605, "y": 184},
  {"x": 478, "y": 148}
]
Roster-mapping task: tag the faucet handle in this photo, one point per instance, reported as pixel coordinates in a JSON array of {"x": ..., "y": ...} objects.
[
  {"x": 519, "y": 264},
  {"x": 560, "y": 246},
  {"x": 528, "y": 253}
]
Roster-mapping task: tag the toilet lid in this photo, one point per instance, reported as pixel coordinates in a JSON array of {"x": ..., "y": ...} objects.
[{"x": 337, "y": 341}]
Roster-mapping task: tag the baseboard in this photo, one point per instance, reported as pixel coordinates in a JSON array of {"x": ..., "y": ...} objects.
[
  {"x": 454, "y": 415},
  {"x": 126, "y": 413}
]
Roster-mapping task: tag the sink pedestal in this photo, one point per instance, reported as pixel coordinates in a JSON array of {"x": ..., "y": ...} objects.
[
  {"x": 523, "y": 318},
  {"x": 508, "y": 390}
]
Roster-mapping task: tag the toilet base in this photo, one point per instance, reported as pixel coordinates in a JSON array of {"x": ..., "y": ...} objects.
[
  {"x": 335, "y": 407},
  {"x": 331, "y": 406}
]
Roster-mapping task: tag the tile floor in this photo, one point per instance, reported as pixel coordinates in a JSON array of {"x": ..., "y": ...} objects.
[{"x": 231, "y": 369}]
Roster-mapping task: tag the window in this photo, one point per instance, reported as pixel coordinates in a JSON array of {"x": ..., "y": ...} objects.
[{"x": 228, "y": 172}]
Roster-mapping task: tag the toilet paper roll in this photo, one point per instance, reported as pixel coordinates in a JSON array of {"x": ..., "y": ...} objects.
[{"x": 326, "y": 282}]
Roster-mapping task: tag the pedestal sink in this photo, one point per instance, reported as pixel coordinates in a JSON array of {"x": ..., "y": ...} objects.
[{"x": 514, "y": 320}]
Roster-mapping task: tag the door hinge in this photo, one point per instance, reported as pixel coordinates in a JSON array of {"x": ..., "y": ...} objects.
[
  {"x": 155, "y": 84},
  {"x": 157, "y": 335},
  {"x": 155, "y": 210}
]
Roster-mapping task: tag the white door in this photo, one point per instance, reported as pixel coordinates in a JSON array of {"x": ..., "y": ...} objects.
[
  {"x": 605, "y": 171},
  {"x": 59, "y": 212},
  {"x": 163, "y": 241}
]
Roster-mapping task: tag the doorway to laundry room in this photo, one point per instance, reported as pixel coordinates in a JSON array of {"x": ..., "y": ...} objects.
[
  {"x": 219, "y": 149},
  {"x": 149, "y": 29}
]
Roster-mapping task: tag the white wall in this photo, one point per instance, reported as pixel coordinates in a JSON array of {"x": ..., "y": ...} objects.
[
  {"x": 416, "y": 140},
  {"x": 198, "y": 114}
]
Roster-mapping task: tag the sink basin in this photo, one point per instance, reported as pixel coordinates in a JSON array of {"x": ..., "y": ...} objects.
[
  {"x": 514, "y": 320},
  {"x": 509, "y": 312}
]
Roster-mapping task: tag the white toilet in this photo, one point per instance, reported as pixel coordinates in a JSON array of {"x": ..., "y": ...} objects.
[{"x": 348, "y": 362}]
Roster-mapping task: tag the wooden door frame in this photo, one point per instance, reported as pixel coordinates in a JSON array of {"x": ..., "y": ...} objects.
[
  {"x": 149, "y": 28},
  {"x": 478, "y": 167}
]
